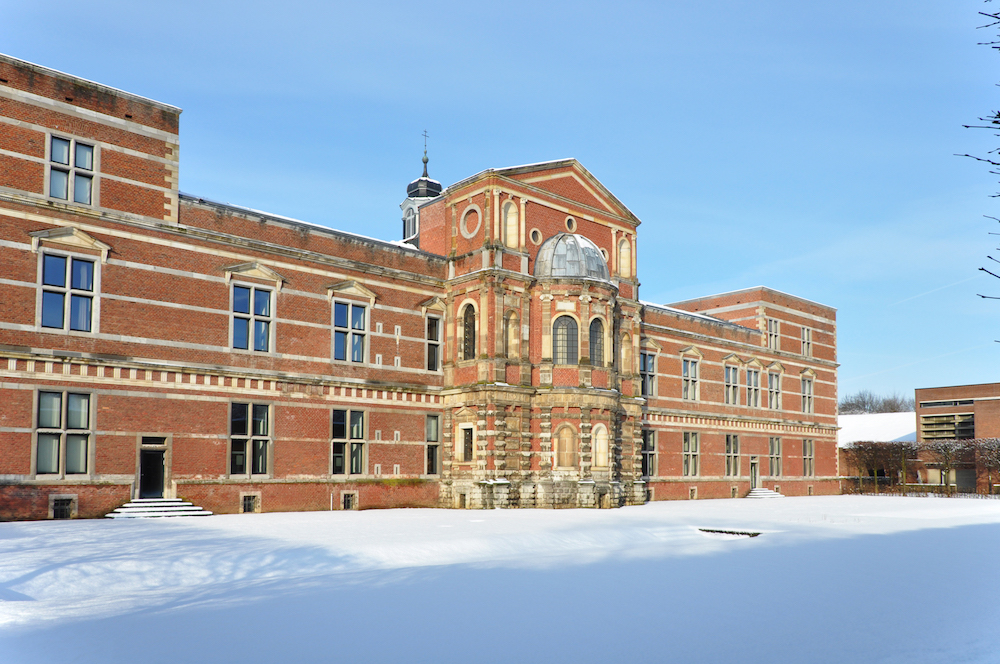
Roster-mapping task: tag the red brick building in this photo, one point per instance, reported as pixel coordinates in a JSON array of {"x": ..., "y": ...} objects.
[{"x": 159, "y": 344}]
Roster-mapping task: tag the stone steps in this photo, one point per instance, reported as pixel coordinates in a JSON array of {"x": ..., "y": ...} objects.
[
  {"x": 763, "y": 493},
  {"x": 149, "y": 508}
]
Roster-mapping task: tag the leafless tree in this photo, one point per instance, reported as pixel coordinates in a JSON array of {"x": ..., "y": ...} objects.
[
  {"x": 988, "y": 456},
  {"x": 947, "y": 454},
  {"x": 866, "y": 401}
]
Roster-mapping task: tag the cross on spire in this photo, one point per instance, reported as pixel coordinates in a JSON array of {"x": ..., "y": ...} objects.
[{"x": 425, "y": 153}]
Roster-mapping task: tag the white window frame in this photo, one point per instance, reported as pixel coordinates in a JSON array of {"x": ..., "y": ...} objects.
[
  {"x": 250, "y": 440},
  {"x": 774, "y": 390},
  {"x": 807, "y": 341},
  {"x": 63, "y": 431},
  {"x": 689, "y": 379},
  {"x": 808, "y": 457},
  {"x": 731, "y": 377},
  {"x": 648, "y": 453},
  {"x": 436, "y": 344},
  {"x": 433, "y": 442},
  {"x": 732, "y": 455},
  {"x": 253, "y": 317},
  {"x": 808, "y": 399},
  {"x": 773, "y": 334},
  {"x": 647, "y": 373},
  {"x": 460, "y": 456},
  {"x": 72, "y": 170},
  {"x": 690, "y": 452},
  {"x": 351, "y": 442},
  {"x": 350, "y": 331},
  {"x": 774, "y": 457},
  {"x": 68, "y": 292},
  {"x": 753, "y": 387}
]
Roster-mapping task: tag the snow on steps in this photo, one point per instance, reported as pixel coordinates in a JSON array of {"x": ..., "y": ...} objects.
[
  {"x": 146, "y": 508},
  {"x": 763, "y": 493}
]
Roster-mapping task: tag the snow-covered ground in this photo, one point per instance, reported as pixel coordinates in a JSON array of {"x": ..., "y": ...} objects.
[{"x": 830, "y": 579}]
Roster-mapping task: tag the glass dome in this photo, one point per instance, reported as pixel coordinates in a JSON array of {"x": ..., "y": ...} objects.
[{"x": 570, "y": 255}]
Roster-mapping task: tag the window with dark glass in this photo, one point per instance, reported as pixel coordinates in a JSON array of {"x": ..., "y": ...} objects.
[
  {"x": 350, "y": 325},
  {"x": 807, "y": 395},
  {"x": 647, "y": 373},
  {"x": 565, "y": 343},
  {"x": 71, "y": 170},
  {"x": 753, "y": 388},
  {"x": 432, "y": 434},
  {"x": 468, "y": 449},
  {"x": 597, "y": 342},
  {"x": 469, "y": 333},
  {"x": 67, "y": 292},
  {"x": 63, "y": 433},
  {"x": 250, "y": 431},
  {"x": 732, "y": 385},
  {"x": 648, "y": 453},
  {"x": 774, "y": 391},
  {"x": 808, "y": 458},
  {"x": 348, "y": 446},
  {"x": 433, "y": 344},
  {"x": 252, "y": 318}
]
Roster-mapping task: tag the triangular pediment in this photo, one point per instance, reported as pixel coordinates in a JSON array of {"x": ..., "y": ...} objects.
[
  {"x": 568, "y": 179},
  {"x": 691, "y": 350},
  {"x": 650, "y": 344},
  {"x": 435, "y": 304},
  {"x": 775, "y": 367},
  {"x": 732, "y": 358},
  {"x": 350, "y": 289},
  {"x": 70, "y": 237},
  {"x": 254, "y": 270}
]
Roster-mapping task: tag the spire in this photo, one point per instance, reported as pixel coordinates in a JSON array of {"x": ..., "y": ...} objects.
[
  {"x": 425, "y": 154},
  {"x": 424, "y": 186}
]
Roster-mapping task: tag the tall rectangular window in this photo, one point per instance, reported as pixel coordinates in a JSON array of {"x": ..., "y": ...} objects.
[
  {"x": 71, "y": 170},
  {"x": 753, "y": 388},
  {"x": 63, "y": 434},
  {"x": 732, "y": 455},
  {"x": 250, "y": 439},
  {"x": 807, "y": 342},
  {"x": 689, "y": 380},
  {"x": 773, "y": 334},
  {"x": 347, "y": 436},
  {"x": 467, "y": 449},
  {"x": 690, "y": 454},
  {"x": 648, "y": 453},
  {"x": 350, "y": 325},
  {"x": 433, "y": 344},
  {"x": 432, "y": 434},
  {"x": 647, "y": 373},
  {"x": 252, "y": 318},
  {"x": 67, "y": 292},
  {"x": 774, "y": 391},
  {"x": 807, "y": 395},
  {"x": 731, "y": 392},
  {"x": 774, "y": 456},
  {"x": 808, "y": 458}
]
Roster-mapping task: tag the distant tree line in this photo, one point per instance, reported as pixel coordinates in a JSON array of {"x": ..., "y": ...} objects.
[
  {"x": 866, "y": 401},
  {"x": 894, "y": 464}
]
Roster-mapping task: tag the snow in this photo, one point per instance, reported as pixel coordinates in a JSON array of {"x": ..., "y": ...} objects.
[
  {"x": 830, "y": 579},
  {"x": 877, "y": 427}
]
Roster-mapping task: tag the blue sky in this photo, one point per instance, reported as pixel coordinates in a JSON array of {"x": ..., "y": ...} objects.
[{"x": 808, "y": 147}]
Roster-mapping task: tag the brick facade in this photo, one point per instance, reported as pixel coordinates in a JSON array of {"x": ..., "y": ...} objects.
[{"x": 253, "y": 355}]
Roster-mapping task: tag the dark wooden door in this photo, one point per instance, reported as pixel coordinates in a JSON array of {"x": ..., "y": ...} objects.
[{"x": 151, "y": 474}]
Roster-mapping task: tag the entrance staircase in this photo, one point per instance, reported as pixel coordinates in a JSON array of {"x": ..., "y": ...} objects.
[
  {"x": 763, "y": 493},
  {"x": 147, "y": 508}
]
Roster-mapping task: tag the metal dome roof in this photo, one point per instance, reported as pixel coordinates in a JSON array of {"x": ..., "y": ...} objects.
[{"x": 570, "y": 255}]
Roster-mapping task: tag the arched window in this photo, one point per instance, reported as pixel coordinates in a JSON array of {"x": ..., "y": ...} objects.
[
  {"x": 626, "y": 367},
  {"x": 511, "y": 227},
  {"x": 565, "y": 447},
  {"x": 565, "y": 345},
  {"x": 469, "y": 333},
  {"x": 625, "y": 259},
  {"x": 602, "y": 454},
  {"x": 597, "y": 342},
  {"x": 511, "y": 337}
]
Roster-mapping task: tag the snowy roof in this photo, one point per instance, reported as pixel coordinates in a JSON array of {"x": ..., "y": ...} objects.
[{"x": 877, "y": 427}]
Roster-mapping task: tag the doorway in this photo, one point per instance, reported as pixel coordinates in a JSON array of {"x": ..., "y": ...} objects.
[
  {"x": 151, "y": 474},
  {"x": 754, "y": 472}
]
